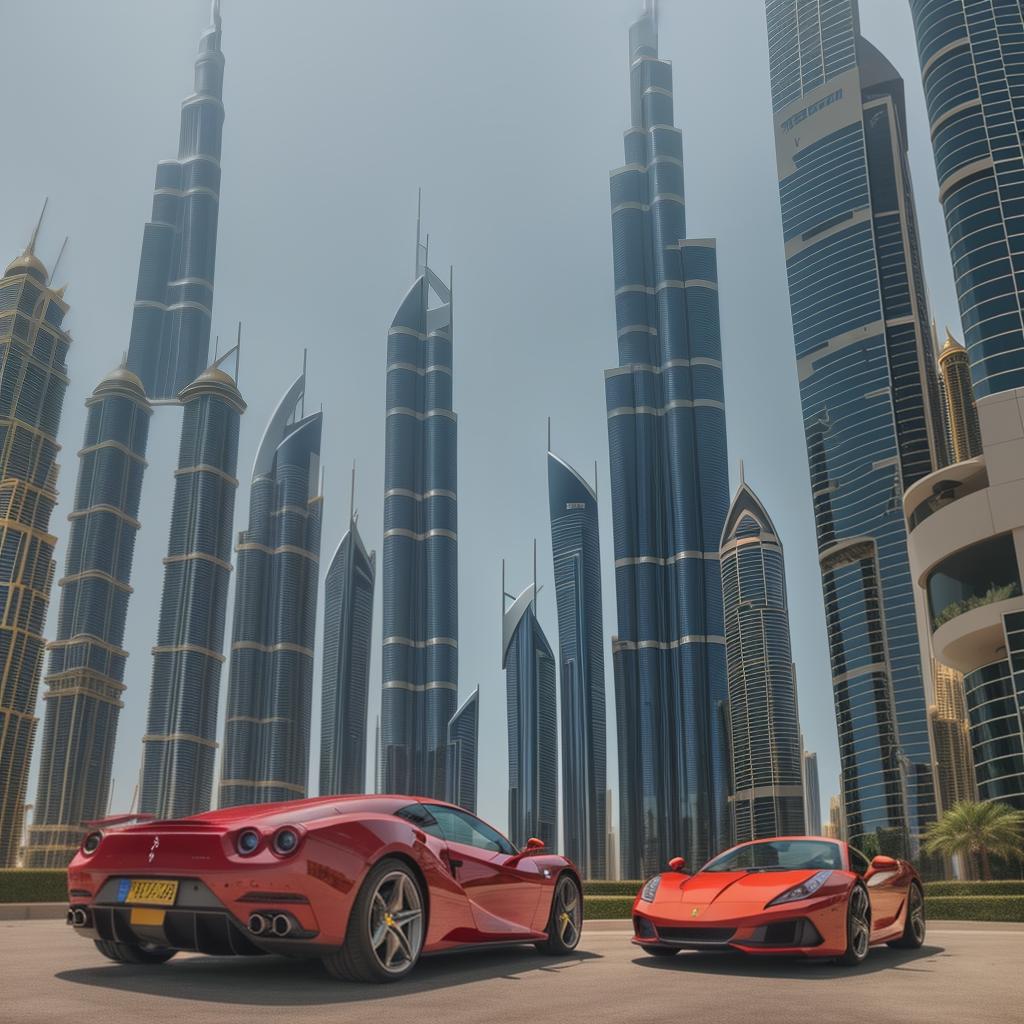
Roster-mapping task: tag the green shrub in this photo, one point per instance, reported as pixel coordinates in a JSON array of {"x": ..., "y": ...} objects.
[
  {"x": 608, "y": 908},
  {"x": 18, "y": 885},
  {"x": 627, "y": 888},
  {"x": 1008, "y": 888},
  {"x": 975, "y": 908}
]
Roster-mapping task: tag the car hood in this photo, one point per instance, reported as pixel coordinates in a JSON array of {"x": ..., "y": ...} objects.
[{"x": 707, "y": 887}]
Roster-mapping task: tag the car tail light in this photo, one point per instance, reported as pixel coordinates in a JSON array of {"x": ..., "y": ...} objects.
[
  {"x": 248, "y": 841},
  {"x": 803, "y": 891},
  {"x": 285, "y": 841},
  {"x": 91, "y": 843}
]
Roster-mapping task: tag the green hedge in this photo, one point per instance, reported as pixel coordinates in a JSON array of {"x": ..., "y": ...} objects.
[
  {"x": 611, "y": 888},
  {"x": 19, "y": 885},
  {"x": 974, "y": 888}
]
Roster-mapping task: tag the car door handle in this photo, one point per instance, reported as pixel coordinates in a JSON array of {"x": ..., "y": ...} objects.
[{"x": 454, "y": 864}]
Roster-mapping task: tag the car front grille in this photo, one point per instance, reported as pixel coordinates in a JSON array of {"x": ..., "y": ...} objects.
[{"x": 697, "y": 936}]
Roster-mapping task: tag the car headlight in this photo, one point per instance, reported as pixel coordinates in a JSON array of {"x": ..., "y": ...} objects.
[
  {"x": 804, "y": 890},
  {"x": 91, "y": 843},
  {"x": 286, "y": 841},
  {"x": 650, "y": 889}
]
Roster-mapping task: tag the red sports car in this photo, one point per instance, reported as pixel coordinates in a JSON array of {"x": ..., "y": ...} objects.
[
  {"x": 800, "y": 895},
  {"x": 365, "y": 883}
]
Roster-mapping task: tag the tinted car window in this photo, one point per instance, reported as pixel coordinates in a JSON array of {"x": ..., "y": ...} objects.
[
  {"x": 421, "y": 818},
  {"x": 858, "y": 862},
  {"x": 779, "y": 855},
  {"x": 462, "y": 827}
]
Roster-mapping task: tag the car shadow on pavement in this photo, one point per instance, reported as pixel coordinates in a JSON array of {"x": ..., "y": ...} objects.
[
  {"x": 802, "y": 968},
  {"x": 278, "y": 981}
]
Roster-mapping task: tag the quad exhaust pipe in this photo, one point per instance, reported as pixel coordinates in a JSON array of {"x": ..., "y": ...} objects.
[{"x": 277, "y": 925}]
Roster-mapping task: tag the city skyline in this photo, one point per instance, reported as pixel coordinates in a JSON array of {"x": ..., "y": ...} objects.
[{"x": 581, "y": 456}]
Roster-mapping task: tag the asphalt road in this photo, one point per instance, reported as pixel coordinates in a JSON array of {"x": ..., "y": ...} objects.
[{"x": 964, "y": 973}]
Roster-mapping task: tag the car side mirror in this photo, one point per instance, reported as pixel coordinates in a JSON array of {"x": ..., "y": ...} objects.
[
  {"x": 883, "y": 863},
  {"x": 534, "y": 844},
  {"x": 678, "y": 864}
]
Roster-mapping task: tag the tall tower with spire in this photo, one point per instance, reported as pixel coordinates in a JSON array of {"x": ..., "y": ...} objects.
[
  {"x": 961, "y": 407},
  {"x": 270, "y": 685},
  {"x": 670, "y": 493},
  {"x": 181, "y": 733},
  {"x": 348, "y": 629},
  {"x": 420, "y": 579},
  {"x": 170, "y": 335},
  {"x": 33, "y": 380}
]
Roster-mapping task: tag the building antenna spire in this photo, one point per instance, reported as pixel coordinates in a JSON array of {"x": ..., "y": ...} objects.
[
  {"x": 535, "y": 574},
  {"x": 352, "y": 498},
  {"x": 743, "y": 477},
  {"x": 215, "y": 14},
  {"x": 39, "y": 223},
  {"x": 419, "y": 223},
  {"x": 60, "y": 255},
  {"x": 549, "y": 434},
  {"x": 305, "y": 353}
]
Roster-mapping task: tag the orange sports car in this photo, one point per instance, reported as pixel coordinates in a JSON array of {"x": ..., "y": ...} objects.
[{"x": 800, "y": 895}]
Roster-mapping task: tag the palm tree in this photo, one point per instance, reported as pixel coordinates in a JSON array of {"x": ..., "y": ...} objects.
[{"x": 980, "y": 830}]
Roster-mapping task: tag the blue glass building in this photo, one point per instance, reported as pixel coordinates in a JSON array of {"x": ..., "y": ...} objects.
[
  {"x": 871, "y": 408},
  {"x": 529, "y": 665},
  {"x": 576, "y": 548},
  {"x": 348, "y": 629},
  {"x": 463, "y": 744},
  {"x": 180, "y": 744},
  {"x": 420, "y": 579},
  {"x": 270, "y": 681},
  {"x": 33, "y": 380},
  {"x": 170, "y": 335},
  {"x": 670, "y": 494},
  {"x": 767, "y": 798},
  {"x": 972, "y": 55}
]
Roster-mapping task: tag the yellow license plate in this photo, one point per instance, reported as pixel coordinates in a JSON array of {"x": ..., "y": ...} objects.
[{"x": 152, "y": 891}]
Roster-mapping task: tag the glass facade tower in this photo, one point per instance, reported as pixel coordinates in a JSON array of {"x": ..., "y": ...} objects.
[
  {"x": 463, "y": 745},
  {"x": 576, "y": 548},
  {"x": 868, "y": 389},
  {"x": 961, "y": 407},
  {"x": 972, "y": 55},
  {"x": 420, "y": 579},
  {"x": 767, "y": 798},
  {"x": 170, "y": 335},
  {"x": 33, "y": 379},
  {"x": 348, "y": 628},
  {"x": 180, "y": 744},
  {"x": 270, "y": 681},
  {"x": 529, "y": 666},
  {"x": 670, "y": 494}
]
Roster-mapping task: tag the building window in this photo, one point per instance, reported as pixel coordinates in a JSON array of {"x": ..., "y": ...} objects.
[{"x": 979, "y": 575}]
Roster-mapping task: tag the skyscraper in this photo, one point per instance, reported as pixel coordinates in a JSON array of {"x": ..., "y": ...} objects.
[
  {"x": 868, "y": 389},
  {"x": 812, "y": 794},
  {"x": 170, "y": 335},
  {"x": 954, "y": 764},
  {"x": 348, "y": 628},
  {"x": 420, "y": 580},
  {"x": 270, "y": 682},
  {"x": 961, "y": 408},
  {"x": 767, "y": 798},
  {"x": 670, "y": 494},
  {"x": 87, "y": 659},
  {"x": 180, "y": 744},
  {"x": 971, "y": 54},
  {"x": 576, "y": 547},
  {"x": 463, "y": 746},
  {"x": 33, "y": 379},
  {"x": 529, "y": 666}
]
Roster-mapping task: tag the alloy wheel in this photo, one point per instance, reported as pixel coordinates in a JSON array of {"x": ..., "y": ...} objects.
[
  {"x": 396, "y": 922},
  {"x": 568, "y": 912},
  {"x": 917, "y": 913},
  {"x": 860, "y": 915}
]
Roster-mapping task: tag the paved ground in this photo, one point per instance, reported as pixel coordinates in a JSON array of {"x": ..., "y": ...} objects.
[{"x": 964, "y": 974}]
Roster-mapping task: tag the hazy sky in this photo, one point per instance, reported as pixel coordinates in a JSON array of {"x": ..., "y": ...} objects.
[{"x": 509, "y": 114}]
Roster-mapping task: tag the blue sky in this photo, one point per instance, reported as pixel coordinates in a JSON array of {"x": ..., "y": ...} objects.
[{"x": 509, "y": 116}]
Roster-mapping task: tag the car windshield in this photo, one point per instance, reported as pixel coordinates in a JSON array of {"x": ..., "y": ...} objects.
[{"x": 779, "y": 855}]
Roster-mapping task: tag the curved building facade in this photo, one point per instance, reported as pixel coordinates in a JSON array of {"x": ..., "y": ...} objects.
[
  {"x": 420, "y": 578},
  {"x": 463, "y": 744},
  {"x": 85, "y": 679},
  {"x": 872, "y": 417},
  {"x": 270, "y": 683},
  {"x": 971, "y": 55},
  {"x": 170, "y": 335},
  {"x": 767, "y": 798},
  {"x": 576, "y": 547},
  {"x": 348, "y": 628},
  {"x": 33, "y": 380},
  {"x": 180, "y": 744},
  {"x": 670, "y": 494},
  {"x": 529, "y": 666}
]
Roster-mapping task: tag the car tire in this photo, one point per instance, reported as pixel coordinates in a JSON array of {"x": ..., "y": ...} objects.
[
  {"x": 565, "y": 921},
  {"x": 386, "y": 926},
  {"x": 665, "y": 951},
  {"x": 914, "y": 928},
  {"x": 128, "y": 953},
  {"x": 858, "y": 927}
]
